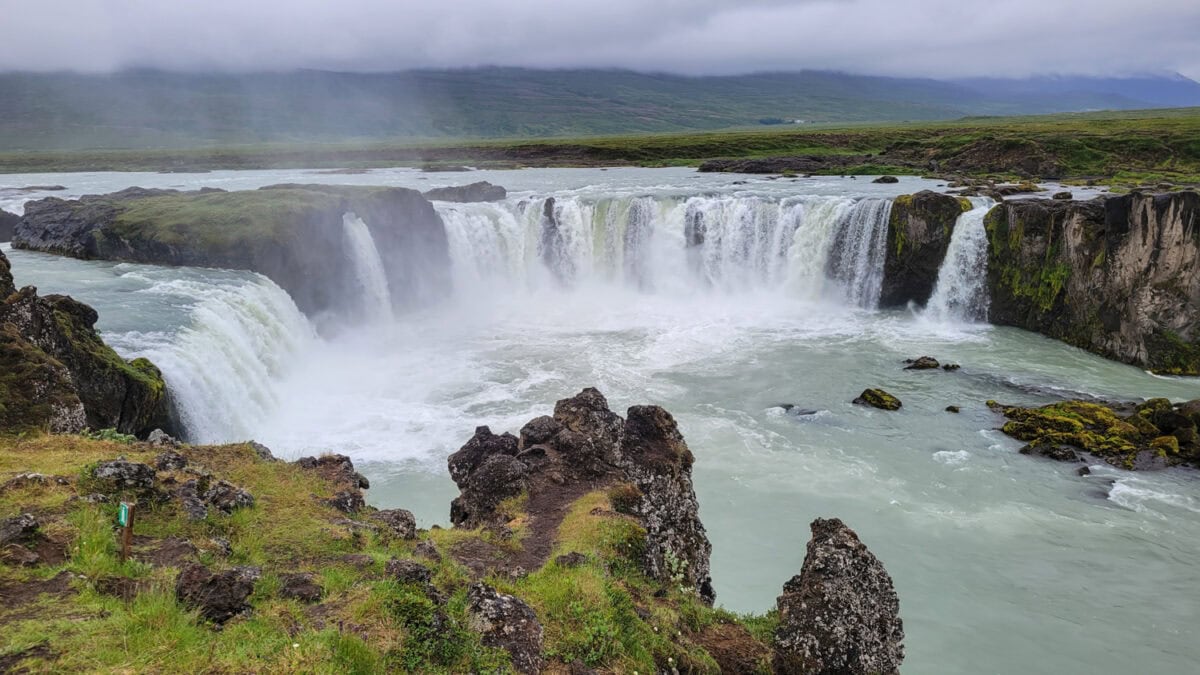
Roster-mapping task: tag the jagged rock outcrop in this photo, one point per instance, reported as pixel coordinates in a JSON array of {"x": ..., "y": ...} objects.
[
  {"x": 481, "y": 191},
  {"x": 919, "y": 232},
  {"x": 583, "y": 447},
  {"x": 1118, "y": 276},
  {"x": 8, "y": 225},
  {"x": 291, "y": 233},
  {"x": 840, "y": 615},
  {"x": 57, "y": 374}
]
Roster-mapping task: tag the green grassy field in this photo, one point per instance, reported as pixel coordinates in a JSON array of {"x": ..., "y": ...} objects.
[{"x": 1125, "y": 147}]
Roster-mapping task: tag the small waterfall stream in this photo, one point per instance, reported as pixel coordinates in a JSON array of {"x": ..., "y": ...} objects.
[
  {"x": 960, "y": 295},
  {"x": 368, "y": 268}
]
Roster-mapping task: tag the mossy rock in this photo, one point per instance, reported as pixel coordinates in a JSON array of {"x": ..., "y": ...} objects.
[
  {"x": 1121, "y": 440},
  {"x": 878, "y": 398}
]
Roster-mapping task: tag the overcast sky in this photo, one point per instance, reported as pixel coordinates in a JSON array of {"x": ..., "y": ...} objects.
[{"x": 937, "y": 38}]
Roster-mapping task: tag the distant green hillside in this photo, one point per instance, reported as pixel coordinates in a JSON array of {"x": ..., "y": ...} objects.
[{"x": 149, "y": 109}]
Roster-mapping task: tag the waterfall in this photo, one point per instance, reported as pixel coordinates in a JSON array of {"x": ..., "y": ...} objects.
[
  {"x": 809, "y": 247},
  {"x": 368, "y": 268},
  {"x": 223, "y": 366},
  {"x": 859, "y": 251},
  {"x": 961, "y": 291}
]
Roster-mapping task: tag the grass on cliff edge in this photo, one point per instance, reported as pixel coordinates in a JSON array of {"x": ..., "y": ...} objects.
[
  {"x": 1125, "y": 147},
  {"x": 604, "y": 612}
]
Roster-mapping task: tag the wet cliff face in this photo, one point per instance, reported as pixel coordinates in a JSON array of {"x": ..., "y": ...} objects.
[
  {"x": 292, "y": 234},
  {"x": 919, "y": 232},
  {"x": 1118, "y": 276}
]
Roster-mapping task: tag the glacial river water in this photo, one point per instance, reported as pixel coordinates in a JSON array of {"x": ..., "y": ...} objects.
[{"x": 1003, "y": 563}]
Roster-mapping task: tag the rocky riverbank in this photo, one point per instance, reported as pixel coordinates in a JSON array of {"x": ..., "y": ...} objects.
[{"x": 577, "y": 548}]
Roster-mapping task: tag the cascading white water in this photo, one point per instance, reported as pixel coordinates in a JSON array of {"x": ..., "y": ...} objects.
[
  {"x": 223, "y": 367},
  {"x": 859, "y": 251},
  {"x": 677, "y": 245},
  {"x": 368, "y": 268},
  {"x": 961, "y": 291}
]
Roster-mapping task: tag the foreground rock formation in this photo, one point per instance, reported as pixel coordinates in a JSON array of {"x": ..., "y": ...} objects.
[
  {"x": 1118, "y": 276},
  {"x": 841, "y": 613},
  {"x": 57, "y": 374},
  {"x": 577, "y": 548},
  {"x": 292, "y": 234},
  {"x": 585, "y": 446}
]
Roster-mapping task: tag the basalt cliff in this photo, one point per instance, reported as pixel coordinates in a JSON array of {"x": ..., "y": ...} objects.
[{"x": 1118, "y": 276}]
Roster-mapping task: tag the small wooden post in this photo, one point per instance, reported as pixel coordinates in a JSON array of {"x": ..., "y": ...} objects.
[{"x": 125, "y": 520}]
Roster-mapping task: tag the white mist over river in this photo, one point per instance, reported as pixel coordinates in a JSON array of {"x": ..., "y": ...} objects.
[{"x": 1003, "y": 563}]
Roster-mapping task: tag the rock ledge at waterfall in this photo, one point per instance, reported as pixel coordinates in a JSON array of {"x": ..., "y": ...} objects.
[
  {"x": 291, "y": 233},
  {"x": 577, "y": 547}
]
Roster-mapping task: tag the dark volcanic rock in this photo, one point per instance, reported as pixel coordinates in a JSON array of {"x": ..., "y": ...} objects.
[
  {"x": 586, "y": 446},
  {"x": 840, "y": 614},
  {"x": 170, "y": 461},
  {"x": 220, "y": 596},
  {"x": 122, "y": 475},
  {"x": 886, "y": 180},
  {"x": 18, "y": 529},
  {"x": 408, "y": 571},
  {"x": 300, "y": 586},
  {"x": 878, "y": 398},
  {"x": 339, "y": 470},
  {"x": 922, "y": 363},
  {"x": 919, "y": 231},
  {"x": 227, "y": 497},
  {"x": 8, "y": 225},
  {"x": 56, "y": 373},
  {"x": 399, "y": 521},
  {"x": 1118, "y": 276},
  {"x": 507, "y": 623},
  {"x": 481, "y": 191}
]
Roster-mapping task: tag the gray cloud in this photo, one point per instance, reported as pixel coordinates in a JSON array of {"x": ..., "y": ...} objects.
[{"x": 939, "y": 38}]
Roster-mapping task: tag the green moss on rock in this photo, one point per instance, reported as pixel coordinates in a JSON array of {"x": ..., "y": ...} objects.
[{"x": 878, "y": 398}]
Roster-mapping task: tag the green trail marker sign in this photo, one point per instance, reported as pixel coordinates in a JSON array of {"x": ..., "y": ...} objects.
[{"x": 125, "y": 521}]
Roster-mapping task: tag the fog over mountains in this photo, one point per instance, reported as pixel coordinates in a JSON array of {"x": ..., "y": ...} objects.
[{"x": 149, "y": 108}]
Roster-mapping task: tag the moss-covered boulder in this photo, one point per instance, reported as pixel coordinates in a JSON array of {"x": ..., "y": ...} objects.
[
  {"x": 878, "y": 398},
  {"x": 1118, "y": 276},
  {"x": 1150, "y": 435},
  {"x": 58, "y": 374},
  {"x": 293, "y": 234},
  {"x": 919, "y": 232}
]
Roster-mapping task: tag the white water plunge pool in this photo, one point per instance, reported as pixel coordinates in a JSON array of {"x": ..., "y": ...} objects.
[{"x": 1003, "y": 563}]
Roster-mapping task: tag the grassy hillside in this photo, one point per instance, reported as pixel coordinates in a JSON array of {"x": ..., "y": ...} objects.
[
  {"x": 1130, "y": 146},
  {"x": 80, "y": 608},
  {"x": 144, "y": 109}
]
